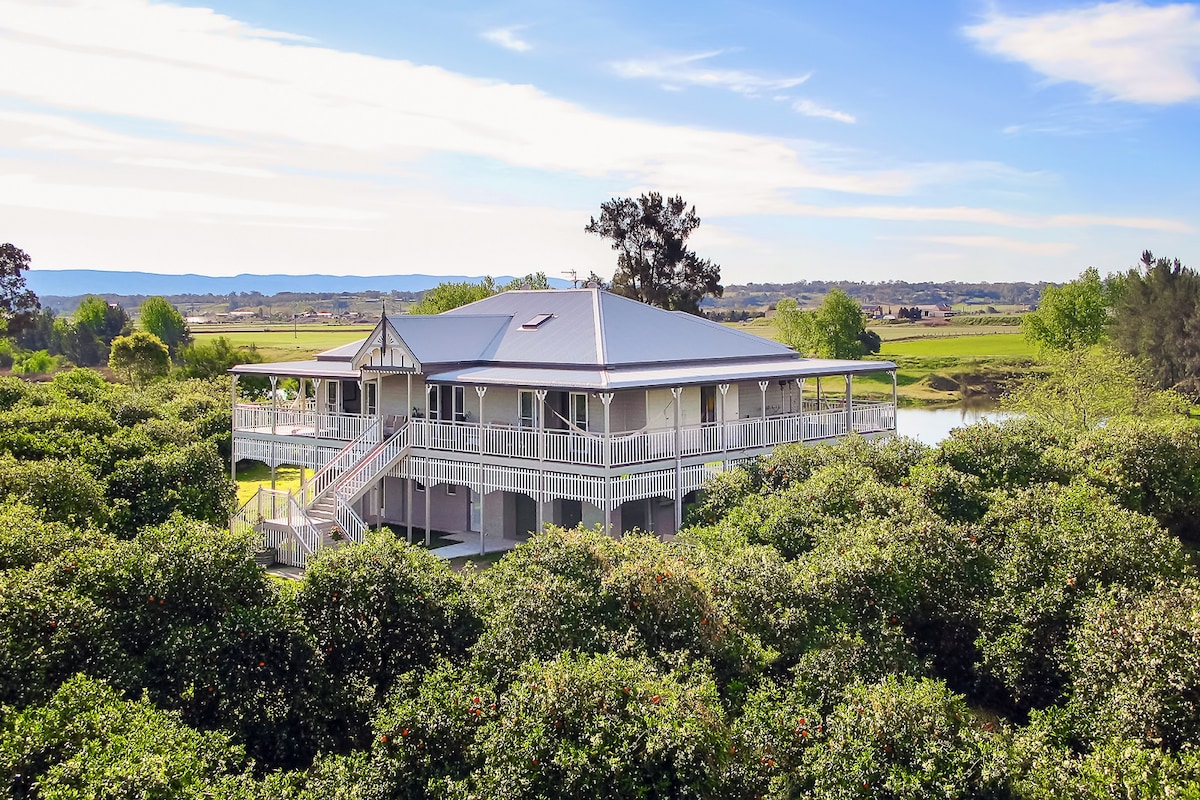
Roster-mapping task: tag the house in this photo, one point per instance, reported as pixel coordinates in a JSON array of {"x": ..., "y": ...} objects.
[
  {"x": 529, "y": 408},
  {"x": 937, "y": 311}
]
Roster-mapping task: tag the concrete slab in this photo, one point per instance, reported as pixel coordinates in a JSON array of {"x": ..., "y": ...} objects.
[{"x": 471, "y": 547}]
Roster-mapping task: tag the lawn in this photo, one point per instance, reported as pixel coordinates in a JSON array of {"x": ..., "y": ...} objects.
[
  {"x": 982, "y": 346},
  {"x": 252, "y": 474}
]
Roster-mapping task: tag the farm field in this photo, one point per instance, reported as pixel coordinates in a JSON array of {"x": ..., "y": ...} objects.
[
  {"x": 284, "y": 344},
  {"x": 1011, "y": 344}
]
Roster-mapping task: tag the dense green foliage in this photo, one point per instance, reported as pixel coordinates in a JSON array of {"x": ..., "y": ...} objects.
[
  {"x": 1073, "y": 315},
  {"x": 452, "y": 294},
  {"x": 18, "y": 303},
  {"x": 157, "y": 316},
  {"x": 654, "y": 263},
  {"x": 1157, "y": 318},
  {"x": 139, "y": 356},
  {"x": 1012, "y": 614},
  {"x": 90, "y": 452},
  {"x": 837, "y": 329}
]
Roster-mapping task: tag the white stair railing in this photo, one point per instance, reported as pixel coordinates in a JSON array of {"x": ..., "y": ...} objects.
[
  {"x": 350, "y": 523},
  {"x": 383, "y": 457},
  {"x": 320, "y": 483}
]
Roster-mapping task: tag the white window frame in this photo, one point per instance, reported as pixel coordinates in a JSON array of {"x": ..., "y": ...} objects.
[
  {"x": 576, "y": 402},
  {"x": 524, "y": 421}
]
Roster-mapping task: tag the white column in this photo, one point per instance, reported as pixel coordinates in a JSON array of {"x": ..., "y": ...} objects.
[
  {"x": 606, "y": 399},
  {"x": 800, "y": 391},
  {"x": 895, "y": 400},
  {"x": 723, "y": 388},
  {"x": 274, "y": 415},
  {"x": 677, "y": 392},
  {"x": 428, "y": 491},
  {"x": 481, "y": 391},
  {"x": 233, "y": 407},
  {"x": 849, "y": 405},
  {"x": 539, "y": 425},
  {"x": 762, "y": 423}
]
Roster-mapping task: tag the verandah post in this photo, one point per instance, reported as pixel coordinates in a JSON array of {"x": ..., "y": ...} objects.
[
  {"x": 677, "y": 392},
  {"x": 606, "y": 399},
  {"x": 481, "y": 391}
]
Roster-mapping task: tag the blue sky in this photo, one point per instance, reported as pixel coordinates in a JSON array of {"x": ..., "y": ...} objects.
[{"x": 861, "y": 140}]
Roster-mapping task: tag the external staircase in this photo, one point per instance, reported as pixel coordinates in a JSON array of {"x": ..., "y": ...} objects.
[{"x": 321, "y": 514}]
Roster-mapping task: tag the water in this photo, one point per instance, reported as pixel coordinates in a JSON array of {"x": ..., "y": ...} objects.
[{"x": 931, "y": 425}]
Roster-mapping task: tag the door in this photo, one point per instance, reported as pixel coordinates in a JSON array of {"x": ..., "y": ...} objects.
[
  {"x": 527, "y": 410},
  {"x": 526, "y": 514},
  {"x": 579, "y": 410},
  {"x": 571, "y": 513},
  {"x": 708, "y": 404}
]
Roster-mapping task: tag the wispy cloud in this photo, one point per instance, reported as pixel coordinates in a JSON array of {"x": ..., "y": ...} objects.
[
  {"x": 691, "y": 70},
  {"x": 1004, "y": 243},
  {"x": 810, "y": 109},
  {"x": 1125, "y": 50},
  {"x": 508, "y": 38}
]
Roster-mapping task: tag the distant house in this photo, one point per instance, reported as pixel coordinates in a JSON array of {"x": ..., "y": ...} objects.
[
  {"x": 873, "y": 312},
  {"x": 531, "y": 408},
  {"x": 936, "y": 311}
]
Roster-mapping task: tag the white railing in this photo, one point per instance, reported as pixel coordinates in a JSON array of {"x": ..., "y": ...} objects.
[
  {"x": 345, "y": 459},
  {"x": 350, "y": 523},
  {"x": 642, "y": 447},
  {"x": 285, "y": 421},
  {"x": 380, "y": 459},
  {"x": 302, "y": 526},
  {"x": 277, "y": 521}
]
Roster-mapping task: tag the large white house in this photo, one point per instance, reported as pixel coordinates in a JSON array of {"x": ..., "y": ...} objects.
[{"x": 529, "y": 408}]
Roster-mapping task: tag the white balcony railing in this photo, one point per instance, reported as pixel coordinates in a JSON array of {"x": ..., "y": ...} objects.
[
  {"x": 298, "y": 422},
  {"x": 827, "y": 421}
]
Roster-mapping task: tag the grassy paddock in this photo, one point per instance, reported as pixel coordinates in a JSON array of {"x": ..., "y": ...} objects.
[
  {"x": 976, "y": 345},
  {"x": 286, "y": 344}
]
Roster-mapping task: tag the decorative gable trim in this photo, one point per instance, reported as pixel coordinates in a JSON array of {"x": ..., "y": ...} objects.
[{"x": 385, "y": 351}]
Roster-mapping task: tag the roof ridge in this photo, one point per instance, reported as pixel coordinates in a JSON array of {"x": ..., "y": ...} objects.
[{"x": 601, "y": 339}]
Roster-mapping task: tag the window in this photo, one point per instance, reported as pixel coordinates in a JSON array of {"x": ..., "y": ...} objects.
[
  {"x": 535, "y": 322},
  {"x": 579, "y": 410},
  {"x": 460, "y": 413},
  {"x": 527, "y": 408},
  {"x": 451, "y": 489},
  {"x": 420, "y": 487},
  {"x": 431, "y": 403},
  {"x": 372, "y": 399},
  {"x": 331, "y": 396}
]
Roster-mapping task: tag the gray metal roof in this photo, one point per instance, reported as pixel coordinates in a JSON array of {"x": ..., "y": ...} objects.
[
  {"x": 592, "y": 339},
  {"x": 300, "y": 369},
  {"x": 597, "y": 328}
]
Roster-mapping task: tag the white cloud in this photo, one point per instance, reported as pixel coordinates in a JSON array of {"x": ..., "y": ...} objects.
[
  {"x": 1124, "y": 50},
  {"x": 688, "y": 70},
  {"x": 508, "y": 38},
  {"x": 989, "y": 216},
  {"x": 810, "y": 109},
  {"x": 1006, "y": 244}
]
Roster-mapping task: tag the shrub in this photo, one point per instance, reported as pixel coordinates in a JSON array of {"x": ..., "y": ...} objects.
[
  {"x": 1003, "y": 456},
  {"x": 1055, "y": 547},
  {"x": 62, "y": 491},
  {"x": 600, "y": 726},
  {"x": 1136, "y": 665}
]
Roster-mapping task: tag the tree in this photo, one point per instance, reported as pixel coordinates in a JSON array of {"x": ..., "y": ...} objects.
[
  {"x": 162, "y": 319},
  {"x": 86, "y": 337},
  {"x": 140, "y": 355},
  {"x": 452, "y": 294},
  {"x": 18, "y": 304},
  {"x": 838, "y": 329},
  {"x": 1073, "y": 315},
  {"x": 654, "y": 264},
  {"x": 1087, "y": 386},
  {"x": 1158, "y": 318}
]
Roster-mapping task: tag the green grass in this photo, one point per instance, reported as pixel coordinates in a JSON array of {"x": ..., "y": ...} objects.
[
  {"x": 252, "y": 474},
  {"x": 975, "y": 346}
]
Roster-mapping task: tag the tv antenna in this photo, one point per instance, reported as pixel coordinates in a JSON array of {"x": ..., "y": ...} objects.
[{"x": 574, "y": 276}]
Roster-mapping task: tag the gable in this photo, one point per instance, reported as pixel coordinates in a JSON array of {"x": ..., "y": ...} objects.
[{"x": 385, "y": 351}]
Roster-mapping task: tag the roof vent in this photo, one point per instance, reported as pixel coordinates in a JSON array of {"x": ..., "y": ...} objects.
[{"x": 535, "y": 322}]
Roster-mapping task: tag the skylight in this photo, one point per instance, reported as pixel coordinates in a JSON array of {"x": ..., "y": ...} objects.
[{"x": 535, "y": 322}]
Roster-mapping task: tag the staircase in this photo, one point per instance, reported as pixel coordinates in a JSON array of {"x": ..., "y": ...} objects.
[
  {"x": 321, "y": 514},
  {"x": 330, "y": 510}
]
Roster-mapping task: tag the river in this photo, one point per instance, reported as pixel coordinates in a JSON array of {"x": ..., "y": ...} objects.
[{"x": 931, "y": 425}]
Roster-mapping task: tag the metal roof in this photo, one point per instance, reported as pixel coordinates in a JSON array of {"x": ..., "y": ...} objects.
[
  {"x": 587, "y": 339},
  {"x": 300, "y": 369}
]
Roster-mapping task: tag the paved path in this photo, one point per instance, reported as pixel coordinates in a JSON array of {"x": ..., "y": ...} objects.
[{"x": 470, "y": 547}]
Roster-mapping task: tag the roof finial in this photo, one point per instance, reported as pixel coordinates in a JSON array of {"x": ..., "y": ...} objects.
[{"x": 383, "y": 308}]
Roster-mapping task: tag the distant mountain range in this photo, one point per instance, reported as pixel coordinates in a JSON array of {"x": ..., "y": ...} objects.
[{"x": 75, "y": 282}]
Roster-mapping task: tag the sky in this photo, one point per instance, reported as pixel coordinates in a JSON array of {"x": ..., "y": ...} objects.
[{"x": 941, "y": 140}]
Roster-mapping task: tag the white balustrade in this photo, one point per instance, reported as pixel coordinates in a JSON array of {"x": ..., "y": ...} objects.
[{"x": 255, "y": 418}]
